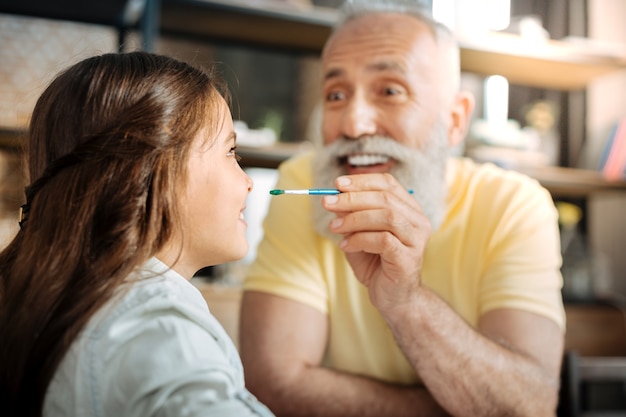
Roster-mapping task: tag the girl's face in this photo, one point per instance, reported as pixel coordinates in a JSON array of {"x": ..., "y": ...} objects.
[{"x": 213, "y": 202}]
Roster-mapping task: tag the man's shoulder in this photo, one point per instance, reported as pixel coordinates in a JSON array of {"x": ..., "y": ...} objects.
[
  {"x": 299, "y": 161},
  {"x": 465, "y": 172},
  {"x": 296, "y": 172},
  {"x": 488, "y": 188}
]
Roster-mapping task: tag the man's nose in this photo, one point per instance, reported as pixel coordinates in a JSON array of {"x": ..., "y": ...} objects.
[{"x": 359, "y": 118}]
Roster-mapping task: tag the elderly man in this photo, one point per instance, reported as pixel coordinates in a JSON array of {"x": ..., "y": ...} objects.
[{"x": 379, "y": 302}]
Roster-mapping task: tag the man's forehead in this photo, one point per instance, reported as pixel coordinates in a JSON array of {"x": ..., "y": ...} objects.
[
  {"x": 376, "y": 65},
  {"x": 382, "y": 23},
  {"x": 379, "y": 32}
]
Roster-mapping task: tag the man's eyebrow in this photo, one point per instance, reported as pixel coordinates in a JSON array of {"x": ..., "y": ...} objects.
[
  {"x": 386, "y": 66},
  {"x": 374, "y": 67},
  {"x": 333, "y": 73}
]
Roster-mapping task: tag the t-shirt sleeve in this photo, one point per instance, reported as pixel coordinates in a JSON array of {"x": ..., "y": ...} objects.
[{"x": 522, "y": 266}]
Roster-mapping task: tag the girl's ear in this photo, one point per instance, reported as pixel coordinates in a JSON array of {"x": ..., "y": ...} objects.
[{"x": 461, "y": 112}]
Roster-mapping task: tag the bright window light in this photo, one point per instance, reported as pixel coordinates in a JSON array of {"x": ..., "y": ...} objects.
[
  {"x": 498, "y": 13},
  {"x": 487, "y": 14},
  {"x": 444, "y": 12},
  {"x": 496, "y": 100}
]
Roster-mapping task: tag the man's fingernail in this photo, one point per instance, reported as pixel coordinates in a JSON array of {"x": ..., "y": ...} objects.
[
  {"x": 343, "y": 181},
  {"x": 336, "y": 223},
  {"x": 331, "y": 199}
]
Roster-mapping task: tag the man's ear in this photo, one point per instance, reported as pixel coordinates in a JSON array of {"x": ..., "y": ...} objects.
[{"x": 461, "y": 113}]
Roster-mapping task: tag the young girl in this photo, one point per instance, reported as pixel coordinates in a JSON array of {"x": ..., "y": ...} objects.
[{"x": 135, "y": 186}]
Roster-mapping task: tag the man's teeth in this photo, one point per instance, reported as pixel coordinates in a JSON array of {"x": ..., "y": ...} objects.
[{"x": 367, "y": 159}]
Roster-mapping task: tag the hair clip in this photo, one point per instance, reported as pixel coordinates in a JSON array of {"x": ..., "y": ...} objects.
[{"x": 21, "y": 217}]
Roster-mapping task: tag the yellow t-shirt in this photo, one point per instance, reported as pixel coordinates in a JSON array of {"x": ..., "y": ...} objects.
[{"x": 497, "y": 248}]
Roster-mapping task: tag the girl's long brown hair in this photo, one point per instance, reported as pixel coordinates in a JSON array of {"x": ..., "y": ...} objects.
[{"x": 107, "y": 146}]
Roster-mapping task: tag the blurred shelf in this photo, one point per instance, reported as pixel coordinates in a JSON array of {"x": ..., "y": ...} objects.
[
  {"x": 263, "y": 23},
  {"x": 562, "y": 182},
  {"x": 11, "y": 137},
  {"x": 271, "y": 156},
  {"x": 610, "y": 368},
  {"x": 595, "y": 330},
  {"x": 117, "y": 13},
  {"x": 301, "y": 29},
  {"x": 551, "y": 64},
  {"x": 572, "y": 182}
]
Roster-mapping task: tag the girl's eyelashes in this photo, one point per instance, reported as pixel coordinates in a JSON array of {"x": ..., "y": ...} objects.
[{"x": 233, "y": 153}]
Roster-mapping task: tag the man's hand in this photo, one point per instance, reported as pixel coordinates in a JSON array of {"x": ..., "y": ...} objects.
[{"x": 385, "y": 233}]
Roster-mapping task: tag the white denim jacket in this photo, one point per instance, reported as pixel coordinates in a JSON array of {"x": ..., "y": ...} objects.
[{"x": 154, "y": 350}]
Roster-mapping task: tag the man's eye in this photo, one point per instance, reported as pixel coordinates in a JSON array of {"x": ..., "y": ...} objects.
[
  {"x": 335, "y": 96},
  {"x": 391, "y": 91}
]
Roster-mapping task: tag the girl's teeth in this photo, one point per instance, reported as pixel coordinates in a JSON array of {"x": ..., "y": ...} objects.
[{"x": 365, "y": 160}]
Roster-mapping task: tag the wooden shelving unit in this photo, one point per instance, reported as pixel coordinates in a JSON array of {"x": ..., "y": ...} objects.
[
  {"x": 298, "y": 29},
  {"x": 270, "y": 23},
  {"x": 561, "y": 182},
  {"x": 551, "y": 64},
  {"x": 572, "y": 182}
]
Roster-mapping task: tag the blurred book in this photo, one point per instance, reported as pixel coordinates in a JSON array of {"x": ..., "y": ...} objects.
[{"x": 613, "y": 158}]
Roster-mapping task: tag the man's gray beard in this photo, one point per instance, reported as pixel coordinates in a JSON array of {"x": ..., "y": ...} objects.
[{"x": 421, "y": 170}]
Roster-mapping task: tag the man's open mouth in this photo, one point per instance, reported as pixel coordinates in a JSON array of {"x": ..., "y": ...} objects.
[{"x": 363, "y": 160}]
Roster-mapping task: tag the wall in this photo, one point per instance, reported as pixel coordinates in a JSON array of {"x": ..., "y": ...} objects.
[{"x": 32, "y": 51}]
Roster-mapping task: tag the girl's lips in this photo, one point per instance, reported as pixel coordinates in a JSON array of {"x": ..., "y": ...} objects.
[{"x": 242, "y": 218}]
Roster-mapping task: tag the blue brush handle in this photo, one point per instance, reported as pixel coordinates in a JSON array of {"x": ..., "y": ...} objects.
[{"x": 324, "y": 191}]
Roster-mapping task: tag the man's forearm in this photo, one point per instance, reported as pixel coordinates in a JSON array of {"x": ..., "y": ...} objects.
[
  {"x": 465, "y": 371},
  {"x": 328, "y": 393}
]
